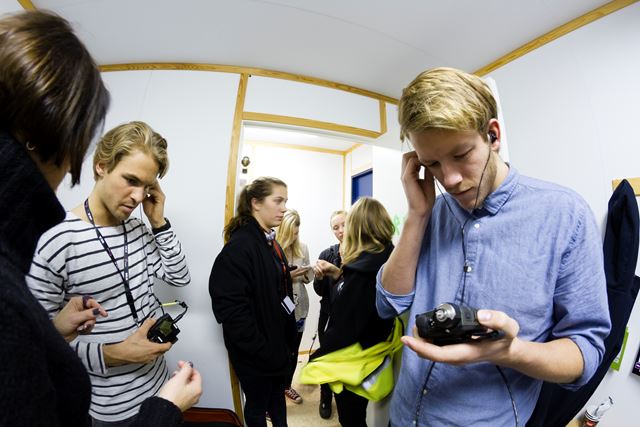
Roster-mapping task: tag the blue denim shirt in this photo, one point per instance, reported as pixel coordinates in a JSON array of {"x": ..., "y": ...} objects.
[{"x": 534, "y": 252}]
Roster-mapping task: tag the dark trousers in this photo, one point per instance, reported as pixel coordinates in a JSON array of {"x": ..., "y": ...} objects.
[
  {"x": 325, "y": 391},
  {"x": 294, "y": 358},
  {"x": 262, "y": 395},
  {"x": 322, "y": 323},
  {"x": 352, "y": 409}
]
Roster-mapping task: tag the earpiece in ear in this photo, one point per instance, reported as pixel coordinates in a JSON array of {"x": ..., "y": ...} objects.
[{"x": 492, "y": 137}]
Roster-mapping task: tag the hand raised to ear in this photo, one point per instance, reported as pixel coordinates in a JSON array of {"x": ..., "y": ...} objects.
[
  {"x": 420, "y": 192},
  {"x": 153, "y": 205}
]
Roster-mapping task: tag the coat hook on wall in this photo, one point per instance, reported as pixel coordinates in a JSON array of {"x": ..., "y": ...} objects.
[{"x": 635, "y": 184}]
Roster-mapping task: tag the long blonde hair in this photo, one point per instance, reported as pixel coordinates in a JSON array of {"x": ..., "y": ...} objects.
[
  {"x": 368, "y": 229},
  {"x": 289, "y": 242}
]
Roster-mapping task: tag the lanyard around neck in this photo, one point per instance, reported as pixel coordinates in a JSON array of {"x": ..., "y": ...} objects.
[
  {"x": 277, "y": 250},
  {"x": 124, "y": 274}
]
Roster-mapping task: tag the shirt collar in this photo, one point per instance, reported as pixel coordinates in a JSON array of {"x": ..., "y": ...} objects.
[
  {"x": 270, "y": 235},
  {"x": 494, "y": 201}
]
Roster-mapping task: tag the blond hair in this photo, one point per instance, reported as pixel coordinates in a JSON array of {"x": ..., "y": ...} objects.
[
  {"x": 368, "y": 229},
  {"x": 335, "y": 214},
  {"x": 289, "y": 242},
  {"x": 446, "y": 98},
  {"x": 126, "y": 139}
]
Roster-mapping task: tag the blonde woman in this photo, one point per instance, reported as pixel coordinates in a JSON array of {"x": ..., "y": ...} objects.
[
  {"x": 353, "y": 316},
  {"x": 301, "y": 273}
]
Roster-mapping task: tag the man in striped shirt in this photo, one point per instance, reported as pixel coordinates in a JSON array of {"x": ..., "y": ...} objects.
[{"x": 99, "y": 250}]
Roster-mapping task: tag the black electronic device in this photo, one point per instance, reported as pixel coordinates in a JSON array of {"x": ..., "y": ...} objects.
[
  {"x": 164, "y": 330},
  {"x": 452, "y": 324}
]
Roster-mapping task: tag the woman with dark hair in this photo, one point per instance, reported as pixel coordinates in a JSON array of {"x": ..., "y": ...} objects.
[
  {"x": 251, "y": 296},
  {"x": 52, "y": 103}
]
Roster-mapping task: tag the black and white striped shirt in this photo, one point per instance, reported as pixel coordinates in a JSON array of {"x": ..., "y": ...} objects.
[{"x": 70, "y": 261}]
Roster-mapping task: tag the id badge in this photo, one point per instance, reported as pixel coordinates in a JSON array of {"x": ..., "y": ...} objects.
[{"x": 288, "y": 305}]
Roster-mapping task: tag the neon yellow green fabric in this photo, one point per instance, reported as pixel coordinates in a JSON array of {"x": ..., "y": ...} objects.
[{"x": 368, "y": 373}]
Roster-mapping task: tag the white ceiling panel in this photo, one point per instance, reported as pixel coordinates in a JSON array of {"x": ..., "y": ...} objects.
[
  {"x": 294, "y": 136},
  {"x": 377, "y": 45}
]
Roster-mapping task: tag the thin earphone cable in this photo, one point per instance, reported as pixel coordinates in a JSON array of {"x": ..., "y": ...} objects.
[
  {"x": 513, "y": 402},
  {"x": 150, "y": 302},
  {"x": 463, "y": 224},
  {"x": 464, "y": 272}
]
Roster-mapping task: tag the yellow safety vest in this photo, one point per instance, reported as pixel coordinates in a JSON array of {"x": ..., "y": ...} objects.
[{"x": 367, "y": 373}]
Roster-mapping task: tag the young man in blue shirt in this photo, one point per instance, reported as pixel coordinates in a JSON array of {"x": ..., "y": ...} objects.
[{"x": 527, "y": 253}]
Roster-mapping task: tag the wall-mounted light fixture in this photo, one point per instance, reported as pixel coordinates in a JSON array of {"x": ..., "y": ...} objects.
[{"x": 245, "y": 162}]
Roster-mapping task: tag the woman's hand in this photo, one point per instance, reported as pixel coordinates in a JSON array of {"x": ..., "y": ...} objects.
[
  {"x": 300, "y": 271},
  {"x": 184, "y": 388},
  {"x": 325, "y": 268},
  {"x": 78, "y": 317}
]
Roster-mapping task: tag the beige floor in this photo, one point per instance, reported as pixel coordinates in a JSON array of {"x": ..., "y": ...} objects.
[{"x": 306, "y": 413}]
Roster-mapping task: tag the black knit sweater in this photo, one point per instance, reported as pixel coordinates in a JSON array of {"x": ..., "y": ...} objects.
[{"x": 43, "y": 381}]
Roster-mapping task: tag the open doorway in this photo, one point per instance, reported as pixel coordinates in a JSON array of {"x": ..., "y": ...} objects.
[{"x": 318, "y": 168}]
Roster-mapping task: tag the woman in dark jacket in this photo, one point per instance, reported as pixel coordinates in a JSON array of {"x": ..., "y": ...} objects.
[
  {"x": 52, "y": 102},
  {"x": 251, "y": 296},
  {"x": 353, "y": 316}
]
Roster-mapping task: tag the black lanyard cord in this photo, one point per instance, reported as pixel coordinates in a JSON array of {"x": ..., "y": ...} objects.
[{"x": 124, "y": 274}]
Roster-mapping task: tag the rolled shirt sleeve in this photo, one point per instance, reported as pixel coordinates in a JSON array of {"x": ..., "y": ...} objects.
[
  {"x": 580, "y": 301},
  {"x": 388, "y": 304}
]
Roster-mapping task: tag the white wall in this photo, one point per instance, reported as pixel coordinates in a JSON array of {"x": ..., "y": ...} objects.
[
  {"x": 314, "y": 182},
  {"x": 10, "y": 6},
  {"x": 387, "y": 162},
  {"x": 194, "y": 112},
  {"x": 289, "y": 98},
  {"x": 572, "y": 111}
]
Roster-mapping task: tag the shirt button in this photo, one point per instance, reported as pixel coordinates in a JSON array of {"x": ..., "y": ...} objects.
[
  {"x": 476, "y": 225},
  {"x": 424, "y": 391}
]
